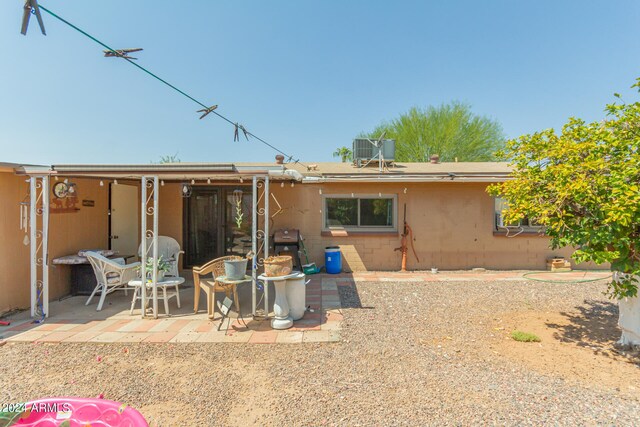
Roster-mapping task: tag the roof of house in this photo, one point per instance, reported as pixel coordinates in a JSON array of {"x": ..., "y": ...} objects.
[
  {"x": 334, "y": 168},
  {"x": 306, "y": 172}
]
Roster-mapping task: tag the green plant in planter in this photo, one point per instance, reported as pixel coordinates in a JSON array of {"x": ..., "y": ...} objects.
[{"x": 163, "y": 266}]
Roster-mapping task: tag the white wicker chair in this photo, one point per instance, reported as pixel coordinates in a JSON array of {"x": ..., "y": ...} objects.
[
  {"x": 168, "y": 249},
  {"x": 111, "y": 275}
]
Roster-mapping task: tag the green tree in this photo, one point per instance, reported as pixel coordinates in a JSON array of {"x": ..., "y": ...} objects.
[
  {"x": 582, "y": 185},
  {"x": 345, "y": 154},
  {"x": 449, "y": 130},
  {"x": 169, "y": 158}
]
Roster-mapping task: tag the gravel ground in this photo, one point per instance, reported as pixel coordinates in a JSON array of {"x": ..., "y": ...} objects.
[{"x": 412, "y": 354}]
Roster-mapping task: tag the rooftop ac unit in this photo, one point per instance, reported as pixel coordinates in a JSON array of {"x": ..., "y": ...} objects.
[{"x": 365, "y": 150}]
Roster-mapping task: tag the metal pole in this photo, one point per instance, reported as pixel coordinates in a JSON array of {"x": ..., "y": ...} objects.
[
  {"x": 155, "y": 247},
  {"x": 266, "y": 240},
  {"x": 143, "y": 252},
  {"x": 45, "y": 245},
  {"x": 33, "y": 222},
  {"x": 254, "y": 243}
]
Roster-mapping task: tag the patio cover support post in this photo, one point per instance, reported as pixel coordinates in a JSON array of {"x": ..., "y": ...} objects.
[
  {"x": 260, "y": 237},
  {"x": 45, "y": 244},
  {"x": 266, "y": 240},
  {"x": 143, "y": 242},
  {"x": 154, "y": 280},
  {"x": 150, "y": 199},
  {"x": 254, "y": 244},
  {"x": 38, "y": 235}
]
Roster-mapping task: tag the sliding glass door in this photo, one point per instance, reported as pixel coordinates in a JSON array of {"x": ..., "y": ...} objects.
[{"x": 217, "y": 222}]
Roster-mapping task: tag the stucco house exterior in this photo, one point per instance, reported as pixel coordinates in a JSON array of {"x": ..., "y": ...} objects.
[{"x": 456, "y": 224}]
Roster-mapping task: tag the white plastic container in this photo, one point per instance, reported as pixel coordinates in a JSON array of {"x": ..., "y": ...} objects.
[{"x": 296, "y": 296}]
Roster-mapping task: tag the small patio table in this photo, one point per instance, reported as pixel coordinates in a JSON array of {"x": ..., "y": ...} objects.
[{"x": 163, "y": 284}]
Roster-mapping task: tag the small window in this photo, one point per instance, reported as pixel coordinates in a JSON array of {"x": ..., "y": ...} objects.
[
  {"x": 360, "y": 212},
  {"x": 525, "y": 224}
]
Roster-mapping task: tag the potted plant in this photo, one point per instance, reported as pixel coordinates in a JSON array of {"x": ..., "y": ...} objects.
[
  {"x": 163, "y": 267},
  {"x": 235, "y": 267}
]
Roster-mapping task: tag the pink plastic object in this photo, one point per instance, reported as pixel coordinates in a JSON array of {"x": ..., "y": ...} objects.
[{"x": 80, "y": 412}]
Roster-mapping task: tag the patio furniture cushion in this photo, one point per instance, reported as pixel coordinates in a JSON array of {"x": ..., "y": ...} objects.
[
  {"x": 103, "y": 252},
  {"x": 70, "y": 260},
  {"x": 113, "y": 278}
]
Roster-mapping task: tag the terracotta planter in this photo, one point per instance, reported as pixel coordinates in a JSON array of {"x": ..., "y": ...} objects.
[{"x": 276, "y": 266}]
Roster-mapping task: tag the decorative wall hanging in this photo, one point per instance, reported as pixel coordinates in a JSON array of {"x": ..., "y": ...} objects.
[
  {"x": 186, "y": 190},
  {"x": 65, "y": 198}
]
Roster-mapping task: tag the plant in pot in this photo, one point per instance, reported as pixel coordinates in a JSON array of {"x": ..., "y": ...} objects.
[
  {"x": 163, "y": 267},
  {"x": 235, "y": 267}
]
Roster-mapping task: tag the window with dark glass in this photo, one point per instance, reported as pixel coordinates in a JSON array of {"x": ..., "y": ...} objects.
[
  {"x": 360, "y": 212},
  {"x": 526, "y": 223}
]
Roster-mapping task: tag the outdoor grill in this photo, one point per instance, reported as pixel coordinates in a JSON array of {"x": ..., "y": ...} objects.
[{"x": 287, "y": 242}]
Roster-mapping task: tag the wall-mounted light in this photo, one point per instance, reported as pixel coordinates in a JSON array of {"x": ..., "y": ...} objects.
[
  {"x": 320, "y": 191},
  {"x": 241, "y": 180},
  {"x": 115, "y": 181},
  {"x": 101, "y": 183},
  {"x": 162, "y": 183},
  {"x": 66, "y": 180},
  {"x": 292, "y": 184},
  {"x": 208, "y": 180},
  {"x": 405, "y": 190},
  {"x": 282, "y": 185},
  {"x": 193, "y": 181}
]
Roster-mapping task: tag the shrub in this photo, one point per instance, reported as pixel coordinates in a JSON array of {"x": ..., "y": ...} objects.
[{"x": 524, "y": 336}]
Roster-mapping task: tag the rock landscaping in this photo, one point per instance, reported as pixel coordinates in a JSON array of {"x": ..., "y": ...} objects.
[{"x": 410, "y": 353}]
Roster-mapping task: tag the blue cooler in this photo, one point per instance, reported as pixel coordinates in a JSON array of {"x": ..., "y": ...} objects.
[{"x": 332, "y": 259}]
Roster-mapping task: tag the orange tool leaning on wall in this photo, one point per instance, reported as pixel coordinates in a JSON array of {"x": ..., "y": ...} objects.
[{"x": 407, "y": 231}]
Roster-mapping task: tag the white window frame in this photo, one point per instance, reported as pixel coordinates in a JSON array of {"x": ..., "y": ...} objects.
[
  {"x": 498, "y": 224},
  {"x": 368, "y": 228}
]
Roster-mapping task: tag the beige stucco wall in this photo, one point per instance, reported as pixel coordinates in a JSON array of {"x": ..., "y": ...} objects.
[
  {"x": 452, "y": 225},
  {"x": 68, "y": 232},
  {"x": 14, "y": 255}
]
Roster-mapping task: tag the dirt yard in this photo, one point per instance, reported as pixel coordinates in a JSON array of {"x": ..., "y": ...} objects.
[{"x": 411, "y": 354}]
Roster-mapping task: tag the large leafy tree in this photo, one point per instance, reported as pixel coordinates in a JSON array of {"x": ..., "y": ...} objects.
[
  {"x": 583, "y": 186},
  {"x": 449, "y": 130}
]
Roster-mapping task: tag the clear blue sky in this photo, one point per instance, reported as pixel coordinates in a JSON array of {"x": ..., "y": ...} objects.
[{"x": 306, "y": 76}]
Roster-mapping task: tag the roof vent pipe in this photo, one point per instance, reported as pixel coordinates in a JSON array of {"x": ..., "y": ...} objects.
[
  {"x": 279, "y": 159},
  {"x": 435, "y": 159}
]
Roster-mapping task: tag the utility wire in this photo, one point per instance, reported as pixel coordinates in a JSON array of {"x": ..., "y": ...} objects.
[{"x": 235, "y": 124}]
